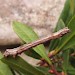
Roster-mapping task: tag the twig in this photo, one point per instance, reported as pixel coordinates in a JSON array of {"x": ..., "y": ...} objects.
[{"x": 19, "y": 50}]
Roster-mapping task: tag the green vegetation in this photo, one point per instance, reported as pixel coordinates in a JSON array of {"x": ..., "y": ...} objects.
[{"x": 63, "y": 60}]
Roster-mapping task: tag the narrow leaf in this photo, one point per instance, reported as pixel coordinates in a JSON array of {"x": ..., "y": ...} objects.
[
  {"x": 71, "y": 70},
  {"x": 72, "y": 7},
  {"x": 65, "y": 11},
  {"x": 45, "y": 70},
  {"x": 65, "y": 60},
  {"x": 27, "y": 34},
  {"x": 21, "y": 65},
  {"x": 71, "y": 12},
  {"x": 66, "y": 15},
  {"x": 4, "y": 69},
  {"x": 54, "y": 43},
  {"x": 68, "y": 11},
  {"x": 68, "y": 40},
  {"x": 59, "y": 25}
]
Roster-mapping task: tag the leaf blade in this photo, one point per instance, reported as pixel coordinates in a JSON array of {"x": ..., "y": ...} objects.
[
  {"x": 4, "y": 69},
  {"x": 54, "y": 43},
  {"x": 27, "y": 34},
  {"x": 21, "y": 65},
  {"x": 67, "y": 38}
]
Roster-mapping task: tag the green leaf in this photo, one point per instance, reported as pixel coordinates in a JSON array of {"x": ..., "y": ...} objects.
[
  {"x": 27, "y": 34},
  {"x": 71, "y": 70},
  {"x": 54, "y": 43},
  {"x": 1, "y": 56},
  {"x": 68, "y": 11},
  {"x": 71, "y": 10},
  {"x": 65, "y": 11},
  {"x": 65, "y": 60},
  {"x": 45, "y": 70},
  {"x": 32, "y": 53},
  {"x": 4, "y": 69},
  {"x": 68, "y": 40},
  {"x": 14, "y": 73},
  {"x": 65, "y": 17},
  {"x": 59, "y": 25},
  {"x": 72, "y": 61},
  {"x": 21, "y": 73},
  {"x": 72, "y": 7},
  {"x": 21, "y": 65}
]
